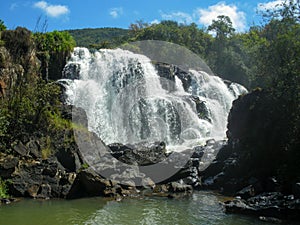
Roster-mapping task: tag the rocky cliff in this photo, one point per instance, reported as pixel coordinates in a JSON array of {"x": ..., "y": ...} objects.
[{"x": 254, "y": 166}]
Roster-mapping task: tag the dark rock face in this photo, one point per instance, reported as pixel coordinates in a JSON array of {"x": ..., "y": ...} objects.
[
  {"x": 167, "y": 73},
  {"x": 247, "y": 167},
  {"x": 242, "y": 162},
  {"x": 88, "y": 183},
  {"x": 40, "y": 179},
  {"x": 71, "y": 72},
  {"x": 141, "y": 154},
  {"x": 57, "y": 63}
]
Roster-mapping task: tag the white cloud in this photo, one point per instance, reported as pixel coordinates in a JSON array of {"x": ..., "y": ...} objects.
[
  {"x": 206, "y": 16},
  {"x": 116, "y": 12},
  {"x": 52, "y": 10},
  {"x": 180, "y": 17},
  {"x": 156, "y": 21},
  {"x": 269, "y": 5}
]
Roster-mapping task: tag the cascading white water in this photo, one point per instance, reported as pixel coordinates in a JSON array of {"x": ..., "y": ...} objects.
[{"x": 125, "y": 102}]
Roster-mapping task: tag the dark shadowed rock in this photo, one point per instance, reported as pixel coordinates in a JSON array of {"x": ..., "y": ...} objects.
[
  {"x": 88, "y": 183},
  {"x": 7, "y": 165},
  {"x": 268, "y": 205},
  {"x": 20, "y": 148},
  {"x": 296, "y": 190},
  {"x": 141, "y": 154},
  {"x": 34, "y": 148}
]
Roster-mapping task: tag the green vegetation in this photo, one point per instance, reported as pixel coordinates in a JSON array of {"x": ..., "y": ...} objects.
[
  {"x": 3, "y": 189},
  {"x": 31, "y": 106},
  {"x": 99, "y": 37},
  {"x": 2, "y": 26},
  {"x": 55, "y": 41},
  {"x": 53, "y": 48},
  {"x": 46, "y": 151}
]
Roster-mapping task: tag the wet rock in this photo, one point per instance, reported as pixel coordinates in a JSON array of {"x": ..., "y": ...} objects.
[
  {"x": 141, "y": 154},
  {"x": 202, "y": 110},
  {"x": 266, "y": 205},
  {"x": 166, "y": 71},
  {"x": 177, "y": 187},
  {"x": 72, "y": 71},
  {"x": 246, "y": 192}
]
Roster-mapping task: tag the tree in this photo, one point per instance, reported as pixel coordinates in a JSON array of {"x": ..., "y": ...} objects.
[
  {"x": 53, "y": 48},
  {"x": 226, "y": 56},
  {"x": 2, "y": 26},
  {"x": 222, "y": 27},
  {"x": 286, "y": 10},
  {"x": 138, "y": 25}
]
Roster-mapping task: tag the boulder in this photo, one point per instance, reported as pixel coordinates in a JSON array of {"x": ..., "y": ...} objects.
[
  {"x": 20, "y": 148},
  {"x": 34, "y": 148},
  {"x": 87, "y": 184},
  {"x": 39, "y": 179},
  {"x": 7, "y": 165},
  {"x": 142, "y": 154}
]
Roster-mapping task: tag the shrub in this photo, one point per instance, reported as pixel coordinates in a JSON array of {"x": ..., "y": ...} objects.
[{"x": 3, "y": 189}]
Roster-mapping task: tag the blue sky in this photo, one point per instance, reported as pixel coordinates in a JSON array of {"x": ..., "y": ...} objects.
[{"x": 75, "y": 14}]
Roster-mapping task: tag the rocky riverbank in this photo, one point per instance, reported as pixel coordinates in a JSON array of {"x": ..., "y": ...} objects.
[{"x": 65, "y": 173}]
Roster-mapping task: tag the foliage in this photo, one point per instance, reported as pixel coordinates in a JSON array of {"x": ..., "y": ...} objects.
[
  {"x": 3, "y": 189},
  {"x": 20, "y": 45},
  {"x": 46, "y": 151},
  {"x": 56, "y": 41},
  {"x": 2, "y": 26},
  {"x": 95, "y": 38},
  {"x": 53, "y": 49},
  {"x": 274, "y": 142},
  {"x": 197, "y": 40},
  {"x": 222, "y": 27},
  {"x": 26, "y": 110}
]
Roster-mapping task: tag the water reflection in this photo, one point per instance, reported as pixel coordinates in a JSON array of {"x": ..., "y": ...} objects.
[{"x": 200, "y": 208}]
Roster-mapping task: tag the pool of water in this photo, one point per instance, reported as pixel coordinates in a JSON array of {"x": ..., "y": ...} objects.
[{"x": 199, "y": 208}]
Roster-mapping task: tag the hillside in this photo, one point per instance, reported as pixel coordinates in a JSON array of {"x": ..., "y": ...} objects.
[{"x": 98, "y": 37}]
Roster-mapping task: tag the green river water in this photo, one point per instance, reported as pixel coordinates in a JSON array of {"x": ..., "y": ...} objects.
[{"x": 200, "y": 208}]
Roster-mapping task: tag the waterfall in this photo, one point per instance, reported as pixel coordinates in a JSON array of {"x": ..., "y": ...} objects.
[{"x": 125, "y": 101}]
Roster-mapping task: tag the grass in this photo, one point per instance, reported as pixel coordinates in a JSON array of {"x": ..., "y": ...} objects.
[{"x": 46, "y": 151}]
